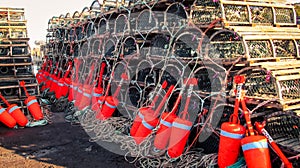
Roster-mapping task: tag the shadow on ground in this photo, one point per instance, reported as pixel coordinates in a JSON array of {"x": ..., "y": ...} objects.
[{"x": 60, "y": 144}]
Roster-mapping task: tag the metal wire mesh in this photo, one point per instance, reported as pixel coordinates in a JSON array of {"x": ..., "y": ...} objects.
[
  {"x": 204, "y": 12},
  {"x": 284, "y": 15},
  {"x": 260, "y": 48},
  {"x": 226, "y": 44},
  {"x": 259, "y": 83},
  {"x": 290, "y": 89},
  {"x": 236, "y": 13}
]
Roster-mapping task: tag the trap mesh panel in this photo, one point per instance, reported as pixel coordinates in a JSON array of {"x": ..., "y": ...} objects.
[
  {"x": 90, "y": 29},
  {"x": 285, "y": 48},
  {"x": 208, "y": 80},
  {"x": 261, "y": 14},
  {"x": 226, "y": 44},
  {"x": 290, "y": 89},
  {"x": 109, "y": 48},
  {"x": 75, "y": 50},
  {"x": 284, "y": 129},
  {"x": 4, "y": 51},
  {"x": 236, "y": 13},
  {"x": 134, "y": 96},
  {"x": 259, "y": 83},
  {"x": 72, "y": 34},
  {"x": 204, "y": 12},
  {"x": 122, "y": 24},
  {"x": 102, "y": 26},
  {"x": 84, "y": 49},
  {"x": 130, "y": 46},
  {"x": 187, "y": 43},
  {"x": 20, "y": 51},
  {"x": 284, "y": 15},
  {"x": 159, "y": 45},
  {"x": 146, "y": 21},
  {"x": 79, "y": 33},
  {"x": 96, "y": 47},
  {"x": 175, "y": 16},
  {"x": 260, "y": 48}
]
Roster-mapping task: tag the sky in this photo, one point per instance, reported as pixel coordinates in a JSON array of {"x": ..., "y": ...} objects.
[{"x": 38, "y": 12}]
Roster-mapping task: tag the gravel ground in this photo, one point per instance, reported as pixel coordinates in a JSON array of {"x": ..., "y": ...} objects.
[{"x": 55, "y": 145}]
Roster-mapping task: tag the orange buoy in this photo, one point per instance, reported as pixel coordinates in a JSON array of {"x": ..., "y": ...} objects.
[
  {"x": 87, "y": 90},
  {"x": 111, "y": 102},
  {"x": 6, "y": 118},
  {"x": 145, "y": 110},
  {"x": 34, "y": 107},
  {"x": 181, "y": 126},
  {"x": 108, "y": 108},
  {"x": 78, "y": 95},
  {"x": 232, "y": 132},
  {"x": 72, "y": 89},
  {"x": 15, "y": 112},
  {"x": 180, "y": 132},
  {"x": 32, "y": 104},
  {"x": 164, "y": 131},
  {"x": 230, "y": 143},
  {"x": 97, "y": 92},
  {"x": 256, "y": 151},
  {"x": 86, "y": 97},
  {"x": 150, "y": 120},
  {"x": 96, "y": 107},
  {"x": 139, "y": 118},
  {"x": 61, "y": 89},
  {"x": 148, "y": 124}
]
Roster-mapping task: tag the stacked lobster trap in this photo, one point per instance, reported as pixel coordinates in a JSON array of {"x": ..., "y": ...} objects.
[
  {"x": 15, "y": 58},
  {"x": 109, "y": 65}
]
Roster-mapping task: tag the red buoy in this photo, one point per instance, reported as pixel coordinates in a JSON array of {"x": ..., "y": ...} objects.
[
  {"x": 32, "y": 104},
  {"x": 232, "y": 132},
  {"x": 150, "y": 120},
  {"x": 62, "y": 88},
  {"x": 96, "y": 107},
  {"x": 111, "y": 102},
  {"x": 86, "y": 97},
  {"x": 145, "y": 110},
  {"x": 108, "y": 108},
  {"x": 15, "y": 112},
  {"x": 180, "y": 132},
  {"x": 230, "y": 143},
  {"x": 78, "y": 95},
  {"x": 164, "y": 131},
  {"x": 6, "y": 118},
  {"x": 148, "y": 124},
  {"x": 98, "y": 91},
  {"x": 139, "y": 118},
  {"x": 256, "y": 151},
  {"x": 181, "y": 126}
]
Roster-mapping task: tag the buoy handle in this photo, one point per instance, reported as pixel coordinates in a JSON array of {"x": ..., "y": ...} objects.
[
  {"x": 68, "y": 70},
  {"x": 162, "y": 103},
  {"x": 123, "y": 77},
  {"x": 163, "y": 86},
  {"x": 4, "y": 100},
  {"x": 22, "y": 84},
  {"x": 103, "y": 64}
]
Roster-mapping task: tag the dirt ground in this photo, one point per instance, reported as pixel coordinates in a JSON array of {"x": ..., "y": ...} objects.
[{"x": 55, "y": 145}]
